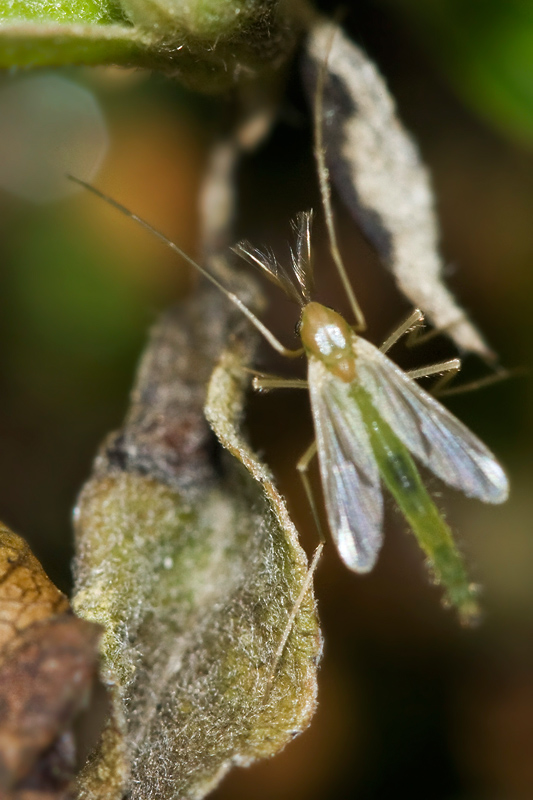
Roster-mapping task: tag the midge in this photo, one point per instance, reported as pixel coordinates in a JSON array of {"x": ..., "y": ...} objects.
[{"x": 369, "y": 417}]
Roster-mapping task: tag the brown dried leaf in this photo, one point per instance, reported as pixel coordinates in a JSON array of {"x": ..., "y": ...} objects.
[
  {"x": 45, "y": 679},
  {"x": 48, "y": 662},
  {"x": 27, "y": 594}
]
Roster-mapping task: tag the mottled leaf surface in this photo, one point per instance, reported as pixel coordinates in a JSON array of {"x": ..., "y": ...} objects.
[
  {"x": 27, "y": 594},
  {"x": 188, "y": 558}
]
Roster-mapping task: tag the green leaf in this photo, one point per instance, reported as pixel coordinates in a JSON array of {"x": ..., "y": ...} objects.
[
  {"x": 209, "y": 45},
  {"x": 53, "y": 45},
  {"x": 100, "y": 11}
]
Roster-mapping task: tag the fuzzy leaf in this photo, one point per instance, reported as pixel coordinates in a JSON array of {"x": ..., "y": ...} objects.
[
  {"x": 193, "y": 569},
  {"x": 209, "y": 46},
  {"x": 98, "y": 11}
]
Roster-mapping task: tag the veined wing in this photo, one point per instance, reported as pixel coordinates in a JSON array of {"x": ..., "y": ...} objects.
[
  {"x": 350, "y": 476},
  {"x": 428, "y": 430}
]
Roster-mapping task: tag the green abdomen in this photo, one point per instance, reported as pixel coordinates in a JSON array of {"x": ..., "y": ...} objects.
[{"x": 399, "y": 473}]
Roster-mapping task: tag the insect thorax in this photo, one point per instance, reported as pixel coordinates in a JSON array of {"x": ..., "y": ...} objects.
[{"x": 328, "y": 337}]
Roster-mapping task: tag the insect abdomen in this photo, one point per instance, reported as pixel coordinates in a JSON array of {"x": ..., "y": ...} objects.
[{"x": 399, "y": 473}]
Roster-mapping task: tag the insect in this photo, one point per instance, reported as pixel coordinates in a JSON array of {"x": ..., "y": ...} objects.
[{"x": 370, "y": 419}]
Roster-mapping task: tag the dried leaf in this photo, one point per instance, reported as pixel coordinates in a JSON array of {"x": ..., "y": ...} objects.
[
  {"x": 27, "y": 594},
  {"x": 377, "y": 169},
  {"x": 48, "y": 662},
  {"x": 189, "y": 560},
  {"x": 46, "y": 677}
]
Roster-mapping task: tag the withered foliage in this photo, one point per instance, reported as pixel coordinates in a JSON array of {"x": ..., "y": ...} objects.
[
  {"x": 27, "y": 595},
  {"x": 48, "y": 661},
  {"x": 189, "y": 559},
  {"x": 377, "y": 168}
]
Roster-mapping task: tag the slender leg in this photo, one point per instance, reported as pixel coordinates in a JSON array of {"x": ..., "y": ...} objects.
[
  {"x": 422, "y": 338},
  {"x": 325, "y": 192},
  {"x": 302, "y": 466},
  {"x": 451, "y": 368},
  {"x": 410, "y": 325},
  {"x": 481, "y": 383},
  {"x": 453, "y": 365},
  {"x": 446, "y": 369},
  {"x": 417, "y": 337},
  {"x": 292, "y": 616},
  {"x": 263, "y": 382},
  {"x": 267, "y": 382}
]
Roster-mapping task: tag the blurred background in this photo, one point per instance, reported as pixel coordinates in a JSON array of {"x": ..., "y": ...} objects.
[{"x": 409, "y": 702}]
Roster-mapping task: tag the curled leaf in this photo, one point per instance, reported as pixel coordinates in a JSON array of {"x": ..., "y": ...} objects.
[
  {"x": 190, "y": 561},
  {"x": 377, "y": 168}
]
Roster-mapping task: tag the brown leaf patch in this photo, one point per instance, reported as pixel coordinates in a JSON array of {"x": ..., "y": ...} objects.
[
  {"x": 48, "y": 663},
  {"x": 27, "y": 595}
]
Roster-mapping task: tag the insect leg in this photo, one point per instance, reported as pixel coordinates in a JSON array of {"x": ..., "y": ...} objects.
[
  {"x": 416, "y": 338},
  {"x": 302, "y": 466},
  {"x": 450, "y": 367},
  {"x": 481, "y": 383},
  {"x": 325, "y": 191},
  {"x": 410, "y": 325},
  {"x": 264, "y": 383},
  {"x": 446, "y": 369},
  {"x": 292, "y": 616}
]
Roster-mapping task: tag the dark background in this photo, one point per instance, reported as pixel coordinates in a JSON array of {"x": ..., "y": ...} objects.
[{"x": 409, "y": 703}]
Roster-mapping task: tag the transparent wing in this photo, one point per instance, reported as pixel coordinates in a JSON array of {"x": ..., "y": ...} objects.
[
  {"x": 428, "y": 430},
  {"x": 301, "y": 255},
  {"x": 350, "y": 476}
]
